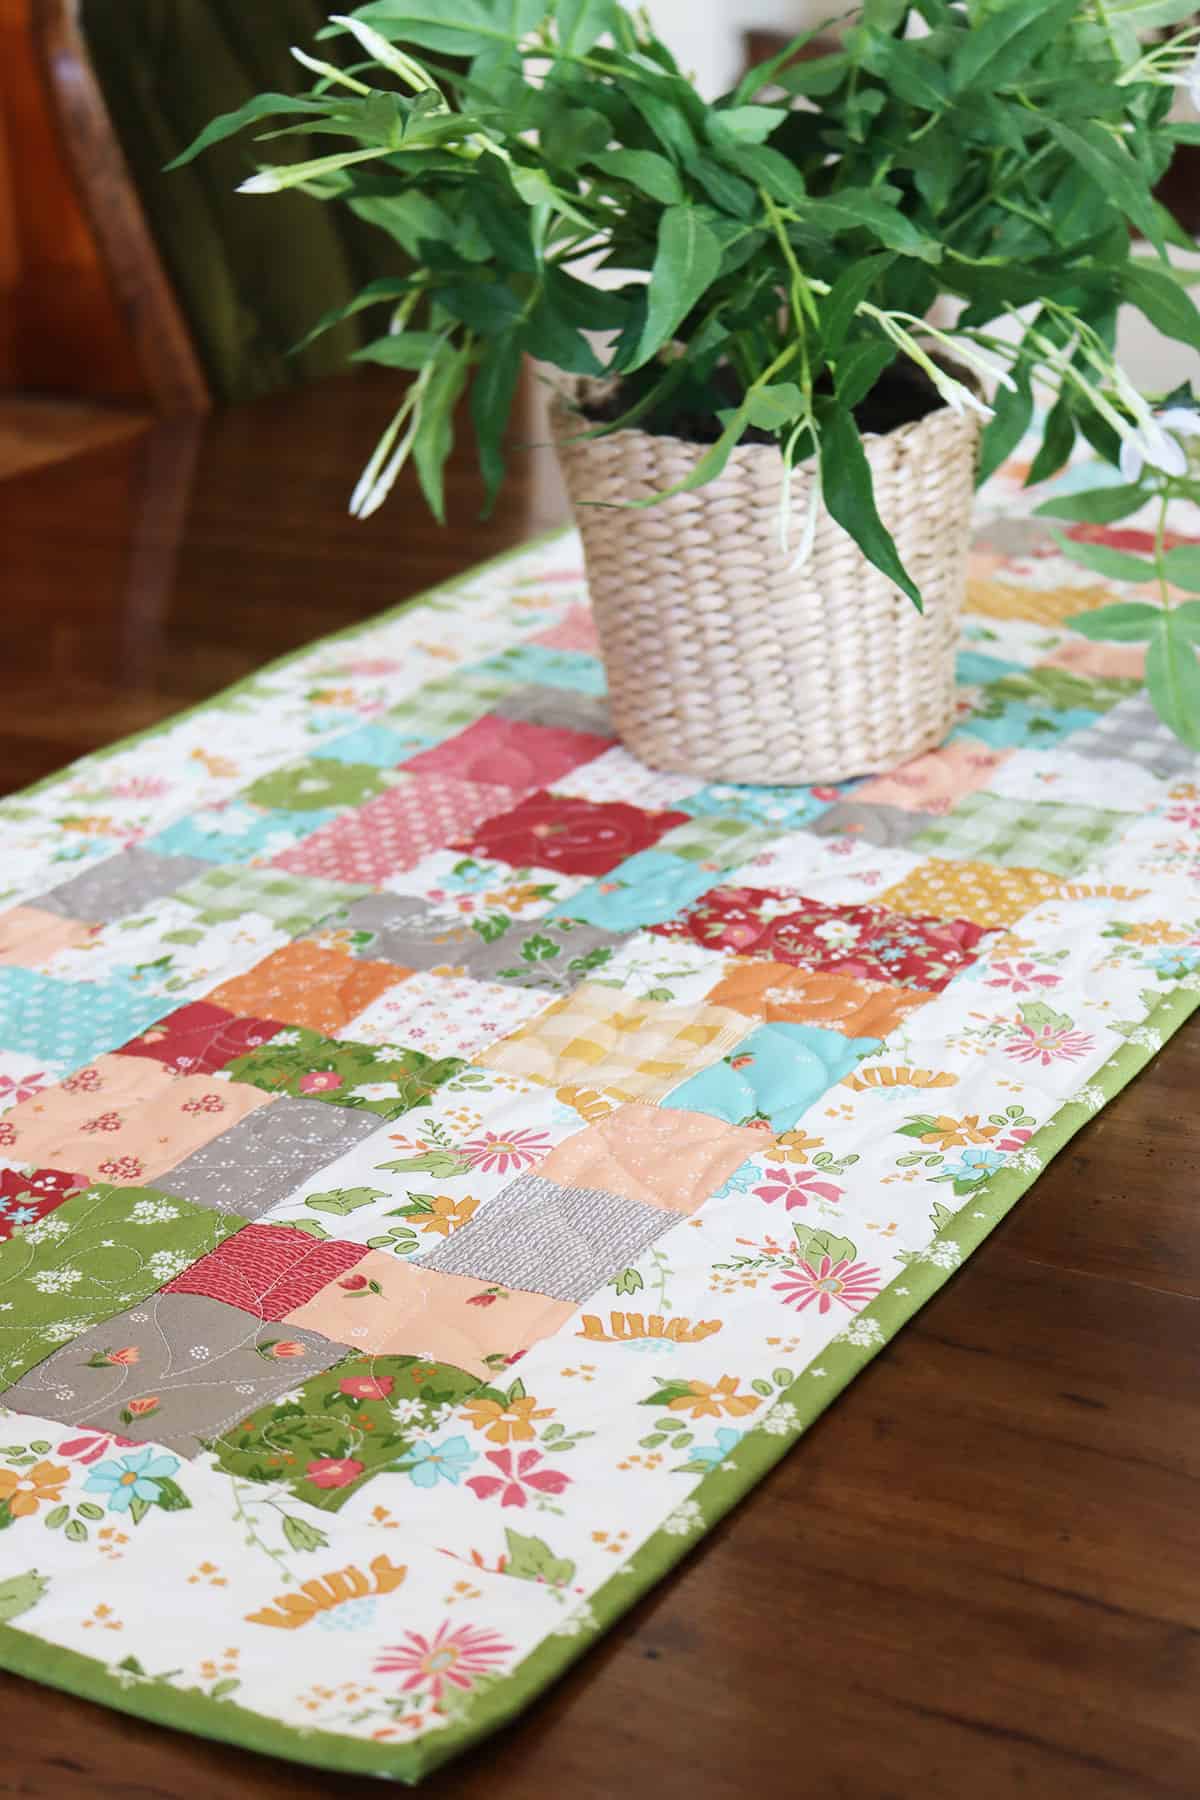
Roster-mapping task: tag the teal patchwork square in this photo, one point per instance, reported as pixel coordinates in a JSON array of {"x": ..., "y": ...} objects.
[
  {"x": 70, "y": 1022},
  {"x": 551, "y": 668},
  {"x": 378, "y": 745},
  {"x": 236, "y": 832},
  {"x": 779, "y": 808},
  {"x": 1024, "y": 834},
  {"x": 295, "y": 903},
  {"x": 773, "y": 1076},
  {"x": 646, "y": 889},
  {"x": 1016, "y": 725}
]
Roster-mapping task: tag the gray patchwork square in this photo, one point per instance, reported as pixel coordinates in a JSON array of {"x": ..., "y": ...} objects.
[
  {"x": 397, "y": 928},
  {"x": 547, "y": 1239},
  {"x": 1133, "y": 732},
  {"x": 179, "y": 1370},
  {"x": 120, "y": 885},
  {"x": 891, "y": 827},
  {"x": 267, "y": 1155},
  {"x": 551, "y": 953},
  {"x": 563, "y": 708}
]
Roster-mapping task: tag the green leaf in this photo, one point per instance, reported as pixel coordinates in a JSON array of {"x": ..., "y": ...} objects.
[
  {"x": 817, "y": 75},
  {"x": 1182, "y": 567},
  {"x": 1002, "y": 48},
  {"x": 171, "y": 1496},
  {"x": 344, "y": 1200},
  {"x": 1186, "y": 618},
  {"x": 301, "y": 1535},
  {"x": 1113, "y": 170},
  {"x": 847, "y": 293},
  {"x": 492, "y": 391},
  {"x": 687, "y": 261},
  {"x": 442, "y": 1164},
  {"x": 1116, "y": 565},
  {"x": 58, "y": 1517},
  {"x": 849, "y": 496},
  {"x": 1037, "y": 1014},
  {"x": 776, "y": 405},
  {"x": 629, "y": 1281},
  {"x": 405, "y": 350},
  {"x": 1058, "y": 440},
  {"x": 87, "y": 1510},
  {"x": 645, "y": 170},
  {"x": 746, "y": 124},
  {"x": 531, "y": 1559},
  {"x": 19, "y": 1593},
  {"x": 451, "y": 27},
  {"x": 76, "y": 1532},
  {"x": 581, "y": 22},
  {"x": 221, "y": 1690},
  {"x": 1098, "y": 506},
  {"x": 434, "y": 438},
  {"x": 1173, "y": 681},
  {"x": 263, "y": 106},
  {"x": 1129, "y": 622},
  {"x": 309, "y": 1226},
  {"x": 488, "y": 307},
  {"x": 855, "y": 209},
  {"x": 1159, "y": 296},
  {"x": 860, "y": 366}
]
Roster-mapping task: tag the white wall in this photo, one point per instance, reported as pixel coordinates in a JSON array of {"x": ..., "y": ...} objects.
[{"x": 706, "y": 35}]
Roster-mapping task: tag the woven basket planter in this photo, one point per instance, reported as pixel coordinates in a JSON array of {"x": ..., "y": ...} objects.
[{"x": 725, "y": 663}]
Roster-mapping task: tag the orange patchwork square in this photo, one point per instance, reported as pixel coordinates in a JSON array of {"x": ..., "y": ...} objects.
[
  {"x": 674, "y": 1160},
  {"x": 29, "y": 936},
  {"x": 306, "y": 984},
  {"x": 777, "y": 991},
  {"x": 934, "y": 782},
  {"x": 985, "y": 893},
  {"x": 391, "y": 1308}
]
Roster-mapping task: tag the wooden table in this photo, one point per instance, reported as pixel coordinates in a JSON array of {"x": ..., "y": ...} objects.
[{"x": 979, "y": 1575}]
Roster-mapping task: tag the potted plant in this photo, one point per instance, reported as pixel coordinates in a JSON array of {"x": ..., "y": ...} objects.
[{"x": 771, "y": 449}]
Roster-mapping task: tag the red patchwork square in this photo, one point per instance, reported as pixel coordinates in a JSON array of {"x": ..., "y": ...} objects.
[
  {"x": 268, "y": 1270},
  {"x": 867, "y": 942},
  {"x": 418, "y": 814},
  {"x": 577, "y": 837},
  {"x": 24, "y": 1199},
  {"x": 510, "y": 753},
  {"x": 201, "y": 1038}
]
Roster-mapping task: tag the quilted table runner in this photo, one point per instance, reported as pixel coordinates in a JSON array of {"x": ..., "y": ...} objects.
[{"x": 444, "y": 1163}]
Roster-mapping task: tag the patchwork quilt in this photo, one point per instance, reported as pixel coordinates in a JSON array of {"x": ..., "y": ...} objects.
[{"x": 444, "y": 1163}]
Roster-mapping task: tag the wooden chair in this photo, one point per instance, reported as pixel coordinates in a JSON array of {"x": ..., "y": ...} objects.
[
  {"x": 216, "y": 289},
  {"x": 175, "y": 377}
]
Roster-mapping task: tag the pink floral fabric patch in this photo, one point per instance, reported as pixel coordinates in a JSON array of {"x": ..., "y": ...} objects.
[
  {"x": 509, "y": 753},
  {"x": 934, "y": 782},
  {"x": 419, "y": 813}
]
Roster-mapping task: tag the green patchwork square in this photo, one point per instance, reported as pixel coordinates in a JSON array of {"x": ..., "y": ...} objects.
[
  {"x": 368, "y": 1413},
  {"x": 308, "y": 1066},
  {"x": 720, "y": 842},
  {"x": 96, "y": 1254},
  {"x": 295, "y": 903},
  {"x": 317, "y": 785},
  {"x": 448, "y": 705},
  {"x": 1025, "y": 834},
  {"x": 1058, "y": 690}
]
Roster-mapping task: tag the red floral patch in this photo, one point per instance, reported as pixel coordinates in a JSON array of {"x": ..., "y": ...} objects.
[
  {"x": 867, "y": 942},
  {"x": 24, "y": 1199},
  {"x": 200, "y": 1039},
  {"x": 510, "y": 752},
  {"x": 577, "y": 837}
]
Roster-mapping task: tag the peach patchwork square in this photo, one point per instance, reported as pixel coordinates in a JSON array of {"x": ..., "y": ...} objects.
[
  {"x": 385, "y": 1307},
  {"x": 633, "y": 1048},
  {"x": 124, "y": 1119},
  {"x": 672, "y": 1160},
  {"x": 934, "y": 782},
  {"x": 985, "y": 893},
  {"x": 29, "y": 936},
  {"x": 305, "y": 984},
  {"x": 1083, "y": 657},
  {"x": 777, "y": 991}
]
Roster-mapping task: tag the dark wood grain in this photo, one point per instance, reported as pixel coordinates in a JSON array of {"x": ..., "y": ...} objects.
[{"x": 979, "y": 1574}]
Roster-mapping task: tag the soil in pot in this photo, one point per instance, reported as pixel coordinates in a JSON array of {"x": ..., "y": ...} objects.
[{"x": 902, "y": 395}]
